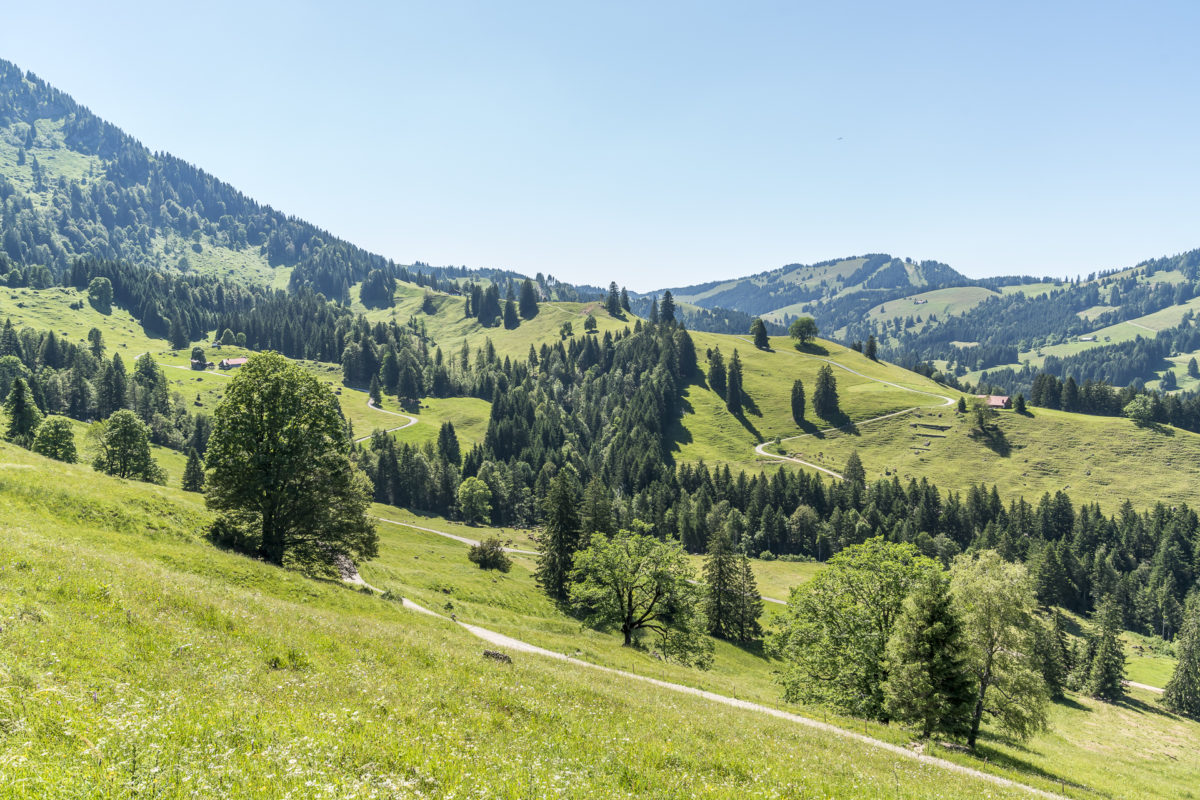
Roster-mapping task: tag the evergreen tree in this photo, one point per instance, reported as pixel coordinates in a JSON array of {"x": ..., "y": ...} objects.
[
  {"x": 447, "y": 444},
  {"x": 624, "y": 299},
  {"x": 666, "y": 311},
  {"x": 1182, "y": 693},
  {"x": 193, "y": 473},
  {"x": 1018, "y": 404},
  {"x": 749, "y": 606},
  {"x": 871, "y": 348},
  {"x": 23, "y": 414},
  {"x": 720, "y": 580},
  {"x": 560, "y": 536},
  {"x": 929, "y": 683},
  {"x": 825, "y": 398},
  {"x": 1106, "y": 672},
  {"x": 654, "y": 315},
  {"x": 798, "y": 402},
  {"x": 759, "y": 331},
  {"x": 854, "y": 473},
  {"x": 528, "y": 305},
  {"x": 1193, "y": 370},
  {"x": 373, "y": 392},
  {"x": 177, "y": 335},
  {"x": 613, "y": 303},
  {"x": 716, "y": 372},
  {"x": 962, "y": 405},
  {"x": 733, "y": 385},
  {"x": 511, "y": 320},
  {"x": 597, "y": 508},
  {"x": 113, "y": 392}
]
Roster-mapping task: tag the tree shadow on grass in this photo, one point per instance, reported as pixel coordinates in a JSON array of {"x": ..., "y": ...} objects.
[
  {"x": 812, "y": 349},
  {"x": 993, "y": 438},
  {"x": 748, "y": 425},
  {"x": 1019, "y": 765},
  {"x": 751, "y": 406}
]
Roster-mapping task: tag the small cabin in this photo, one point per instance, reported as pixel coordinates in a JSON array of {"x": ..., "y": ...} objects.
[
  {"x": 232, "y": 363},
  {"x": 996, "y": 401},
  {"x": 1087, "y": 338}
]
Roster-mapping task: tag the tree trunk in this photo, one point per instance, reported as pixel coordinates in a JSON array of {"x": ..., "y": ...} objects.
[
  {"x": 628, "y": 631},
  {"x": 977, "y": 714}
]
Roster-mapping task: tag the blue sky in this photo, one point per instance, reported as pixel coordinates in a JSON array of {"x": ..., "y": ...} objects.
[{"x": 666, "y": 143}]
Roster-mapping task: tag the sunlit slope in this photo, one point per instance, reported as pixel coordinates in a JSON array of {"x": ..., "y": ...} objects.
[
  {"x": 1095, "y": 459},
  {"x": 155, "y": 665},
  {"x": 708, "y": 431}
]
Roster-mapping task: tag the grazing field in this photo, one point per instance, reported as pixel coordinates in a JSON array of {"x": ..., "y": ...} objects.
[
  {"x": 156, "y": 665},
  {"x": 709, "y": 432},
  {"x": 1095, "y": 459},
  {"x": 942, "y": 302}
]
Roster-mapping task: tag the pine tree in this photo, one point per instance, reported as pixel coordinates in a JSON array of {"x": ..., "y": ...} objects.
[
  {"x": 749, "y": 604},
  {"x": 1106, "y": 672},
  {"x": 193, "y": 473},
  {"x": 872, "y": 347},
  {"x": 654, "y": 315},
  {"x": 798, "y": 402},
  {"x": 759, "y": 331},
  {"x": 1051, "y": 579},
  {"x": 373, "y": 392},
  {"x": 825, "y": 399},
  {"x": 447, "y": 444},
  {"x": 716, "y": 372},
  {"x": 1018, "y": 404},
  {"x": 732, "y": 604},
  {"x": 511, "y": 320},
  {"x": 962, "y": 405},
  {"x": 624, "y": 299},
  {"x": 733, "y": 385},
  {"x": 1182, "y": 693},
  {"x": 929, "y": 683},
  {"x": 23, "y": 414},
  {"x": 560, "y": 537}
]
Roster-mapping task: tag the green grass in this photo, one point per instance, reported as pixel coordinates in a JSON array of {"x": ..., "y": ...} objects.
[
  {"x": 709, "y": 432},
  {"x": 50, "y": 309},
  {"x": 155, "y": 665},
  {"x": 1095, "y": 459},
  {"x": 942, "y": 302}
]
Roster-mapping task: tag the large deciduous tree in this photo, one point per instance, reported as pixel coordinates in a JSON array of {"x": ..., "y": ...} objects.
[
  {"x": 634, "y": 582},
  {"x": 55, "y": 439},
  {"x": 997, "y": 602},
  {"x": 803, "y": 330},
  {"x": 833, "y": 639},
  {"x": 281, "y": 473}
]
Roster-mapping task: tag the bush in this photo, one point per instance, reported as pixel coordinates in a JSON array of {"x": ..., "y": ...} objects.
[{"x": 489, "y": 554}]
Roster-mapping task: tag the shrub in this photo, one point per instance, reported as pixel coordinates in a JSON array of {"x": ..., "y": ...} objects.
[{"x": 489, "y": 554}]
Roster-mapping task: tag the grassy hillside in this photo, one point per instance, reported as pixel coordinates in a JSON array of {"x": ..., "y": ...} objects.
[
  {"x": 1096, "y": 459},
  {"x": 155, "y": 665},
  {"x": 709, "y": 432}
]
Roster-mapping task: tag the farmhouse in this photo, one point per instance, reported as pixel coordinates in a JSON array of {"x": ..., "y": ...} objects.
[
  {"x": 1087, "y": 338},
  {"x": 996, "y": 401},
  {"x": 232, "y": 363}
]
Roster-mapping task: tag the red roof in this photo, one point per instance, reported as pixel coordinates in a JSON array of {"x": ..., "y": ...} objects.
[{"x": 235, "y": 362}]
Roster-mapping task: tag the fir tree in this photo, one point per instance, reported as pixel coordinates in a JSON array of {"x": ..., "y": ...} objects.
[
  {"x": 560, "y": 537},
  {"x": 193, "y": 473},
  {"x": 447, "y": 444},
  {"x": 825, "y": 398},
  {"x": 613, "y": 303},
  {"x": 1182, "y": 693},
  {"x": 759, "y": 331},
  {"x": 962, "y": 405},
  {"x": 666, "y": 311},
  {"x": 929, "y": 683},
  {"x": 597, "y": 508},
  {"x": 1106, "y": 672},
  {"x": 731, "y": 601},
  {"x": 528, "y": 305},
  {"x": 716, "y": 372},
  {"x": 871, "y": 348},
  {"x": 625, "y": 299},
  {"x": 733, "y": 385},
  {"x": 854, "y": 473},
  {"x": 23, "y": 414},
  {"x": 798, "y": 402}
]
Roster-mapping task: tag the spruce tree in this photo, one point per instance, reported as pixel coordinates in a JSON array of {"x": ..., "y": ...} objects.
[
  {"x": 759, "y": 331},
  {"x": 560, "y": 537},
  {"x": 719, "y": 581},
  {"x": 23, "y": 414},
  {"x": 929, "y": 682},
  {"x": 798, "y": 402},
  {"x": 666, "y": 311},
  {"x": 597, "y": 508},
  {"x": 1106, "y": 672},
  {"x": 962, "y": 405},
  {"x": 511, "y": 320},
  {"x": 716, "y": 372},
  {"x": 871, "y": 348},
  {"x": 1182, "y": 693},
  {"x": 825, "y": 399},
  {"x": 749, "y": 603},
  {"x": 527, "y": 303},
  {"x": 624, "y": 299},
  {"x": 447, "y": 444},
  {"x": 193, "y": 473},
  {"x": 733, "y": 385},
  {"x": 854, "y": 473},
  {"x": 613, "y": 303}
]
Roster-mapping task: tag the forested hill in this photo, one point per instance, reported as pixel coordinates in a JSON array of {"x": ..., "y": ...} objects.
[
  {"x": 836, "y": 292},
  {"x": 73, "y": 185}
]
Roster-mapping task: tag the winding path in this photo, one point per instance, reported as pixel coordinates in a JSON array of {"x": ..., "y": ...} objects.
[
  {"x": 462, "y": 539},
  {"x": 761, "y": 450},
  {"x": 411, "y": 421},
  {"x": 500, "y": 640}
]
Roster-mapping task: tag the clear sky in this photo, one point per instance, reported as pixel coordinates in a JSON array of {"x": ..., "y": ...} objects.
[{"x": 661, "y": 143}]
